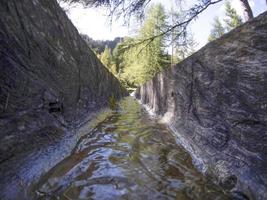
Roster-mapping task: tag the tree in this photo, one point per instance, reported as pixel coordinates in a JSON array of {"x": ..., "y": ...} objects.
[
  {"x": 108, "y": 60},
  {"x": 183, "y": 44},
  {"x": 217, "y": 31},
  {"x": 128, "y": 7},
  {"x": 232, "y": 19},
  {"x": 99, "y": 45},
  {"x": 133, "y": 66},
  {"x": 142, "y": 62},
  {"x": 118, "y": 58},
  {"x": 106, "y": 57},
  {"x": 247, "y": 9},
  {"x": 153, "y": 51},
  {"x": 185, "y": 49}
]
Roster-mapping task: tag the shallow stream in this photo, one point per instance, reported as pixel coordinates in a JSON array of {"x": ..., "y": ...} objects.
[{"x": 129, "y": 155}]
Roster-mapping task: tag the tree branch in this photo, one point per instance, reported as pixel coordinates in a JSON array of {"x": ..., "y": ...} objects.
[{"x": 191, "y": 15}]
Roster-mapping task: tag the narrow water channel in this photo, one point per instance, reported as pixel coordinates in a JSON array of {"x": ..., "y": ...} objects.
[{"x": 127, "y": 156}]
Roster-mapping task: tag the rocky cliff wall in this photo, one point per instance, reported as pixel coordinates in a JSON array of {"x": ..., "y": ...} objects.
[
  {"x": 216, "y": 103},
  {"x": 50, "y": 81}
]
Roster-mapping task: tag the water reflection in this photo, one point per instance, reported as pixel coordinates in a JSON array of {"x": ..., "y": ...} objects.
[{"x": 127, "y": 156}]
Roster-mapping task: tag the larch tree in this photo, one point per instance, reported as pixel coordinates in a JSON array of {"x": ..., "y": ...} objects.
[
  {"x": 143, "y": 61},
  {"x": 106, "y": 57},
  {"x": 217, "y": 31},
  {"x": 183, "y": 43},
  {"x": 127, "y": 8},
  {"x": 153, "y": 51},
  {"x": 232, "y": 19}
]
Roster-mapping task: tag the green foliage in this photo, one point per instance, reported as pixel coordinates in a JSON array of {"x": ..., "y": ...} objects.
[
  {"x": 184, "y": 49},
  {"x": 182, "y": 41},
  {"x": 135, "y": 60},
  {"x": 217, "y": 30},
  {"x": 232, "y": 19},
  {"x": 143, "y": 61},
  {"x": 106, "y": 57},
  {"x": 99, "y": 45},
  {"x": 118, "y": 57}
]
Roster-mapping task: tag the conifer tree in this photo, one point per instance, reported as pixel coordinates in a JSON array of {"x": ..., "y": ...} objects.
[
  {"x": 143, "y": 61},
  {"x": 217, "y": 30},
  {"x": 106, "y": 57},
  {"x": 153, "y": 51},
  {"x": 127, "y": 8},
  {"x": 232, "y": 19}
]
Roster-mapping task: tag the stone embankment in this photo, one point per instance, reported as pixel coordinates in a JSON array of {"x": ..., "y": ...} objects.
[
  {"x": 50, "y": 83},
  {"x": 216, "y": 103}
]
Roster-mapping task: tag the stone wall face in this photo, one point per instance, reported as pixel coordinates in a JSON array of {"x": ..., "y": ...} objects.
[
  {"x": 216, "y": 103},
  {"x": 50, "y": 81}
]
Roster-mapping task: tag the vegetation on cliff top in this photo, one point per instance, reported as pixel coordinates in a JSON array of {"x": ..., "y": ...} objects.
[
  {"x": 231, "y": 20},
  {"x": 134, "y": 60}
]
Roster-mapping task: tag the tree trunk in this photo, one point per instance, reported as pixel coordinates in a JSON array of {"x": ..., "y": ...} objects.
[{"x": 247, "y": 10}]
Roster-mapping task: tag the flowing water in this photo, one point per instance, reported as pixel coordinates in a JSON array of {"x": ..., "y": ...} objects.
[{"x": 127, "y": 156}]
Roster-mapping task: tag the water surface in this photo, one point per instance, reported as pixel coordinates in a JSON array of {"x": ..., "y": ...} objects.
[{"x": 127, "y": 156}]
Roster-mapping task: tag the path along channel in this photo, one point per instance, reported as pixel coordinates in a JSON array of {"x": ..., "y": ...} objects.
[{"x": 129, "y": 155}]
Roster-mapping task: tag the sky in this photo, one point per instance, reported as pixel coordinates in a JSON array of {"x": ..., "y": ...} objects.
[{"x": 95, "y": 22}]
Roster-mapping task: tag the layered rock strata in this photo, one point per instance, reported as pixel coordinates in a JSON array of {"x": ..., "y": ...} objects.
[
  {"x": 50, "y": 83},
  {"x": 216, "y": 103}
]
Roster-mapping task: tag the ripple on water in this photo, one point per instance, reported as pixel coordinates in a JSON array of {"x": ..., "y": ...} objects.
[{"x": 127, "y": 156}]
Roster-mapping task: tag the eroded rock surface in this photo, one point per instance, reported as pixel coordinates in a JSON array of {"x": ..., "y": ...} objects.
[
  {"x": 50, "y": 82},
  {"x": 216, "y": 103}
]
